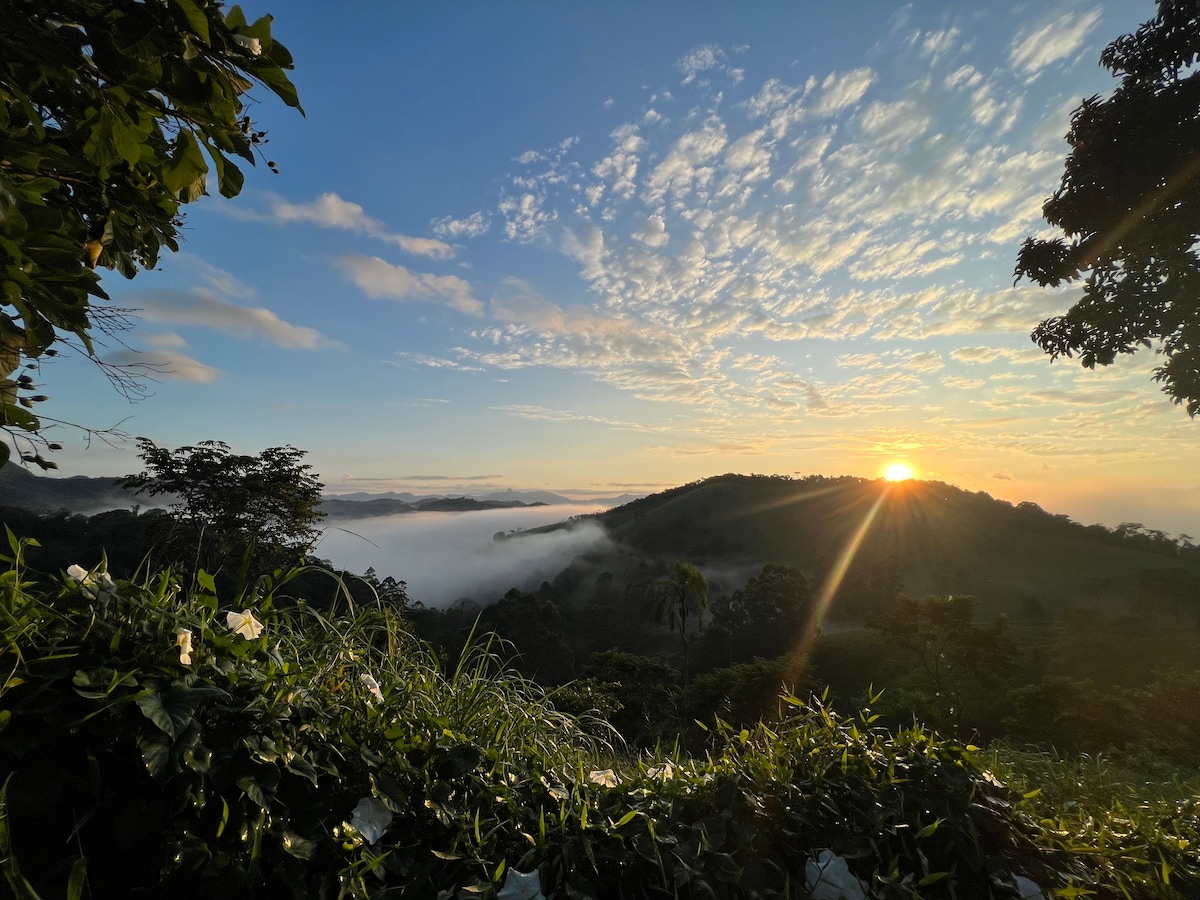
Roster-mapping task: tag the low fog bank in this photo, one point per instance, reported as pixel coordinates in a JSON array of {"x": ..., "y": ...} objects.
[{"x": 445, "y": 556}]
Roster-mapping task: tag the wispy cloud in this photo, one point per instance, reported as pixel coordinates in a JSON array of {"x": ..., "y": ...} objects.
[
  {"x": 383, "y": 280},
  {"x": 331, "y": 211},
  {"x": 204, "y": 308},
  {"x": 544, "y": 414},
  {"x": 1050, "y": 41},
  {"x": 165, "y": 360}
]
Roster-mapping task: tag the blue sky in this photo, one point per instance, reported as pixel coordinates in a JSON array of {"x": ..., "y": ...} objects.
[{"x": 598, "y": 248}]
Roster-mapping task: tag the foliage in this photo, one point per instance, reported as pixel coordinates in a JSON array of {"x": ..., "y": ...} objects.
[
  {"x": 765, "y": 618},
  {"x": 747, "y": 692},
  {"x": 258, "y": 513},
  {"x": 334, "y": 756},
  {"x": 637, "y": 694},
  {"x": 1170, "y": 591},
  {"x": 674, "y": 594},
  {"x": 939, "y": 631},
  {"x": 112, "y": 115},
  {"x": 1127, "y": 205},
  {"x": 532, "y": 625},
  {"x": 1134, "y": 837}
]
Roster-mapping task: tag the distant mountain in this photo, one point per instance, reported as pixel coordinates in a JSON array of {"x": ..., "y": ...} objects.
[
  {"x": 82, "y": 494},
  {"x": 78, "y": 493},
  {"x": 547, "y": 498},
  {"x": 363, "y": 496},
  {"x": 544, "y": 497},
  {"x": 363, "y": 509},
  {"x": 937, "y": 538}
]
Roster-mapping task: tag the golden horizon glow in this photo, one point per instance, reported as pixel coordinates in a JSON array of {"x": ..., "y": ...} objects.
[{"x": 898, "y": 472}]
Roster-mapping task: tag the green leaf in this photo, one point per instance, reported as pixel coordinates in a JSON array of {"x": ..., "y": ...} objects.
[
  {"x": 16, "y": 417},
  {"x": 626, "y": 819},
  {"x": 299, "y": 847},
  {"x": 187, "y": 164},
  {"x": 254, "y": 791},
  {"x": 195, "y": 18},
  {"x": 206, "y": 581},
  {"x": 76, "y": 881},
  {"x": 153, "y": 709},
  {"x": 156, "y": 754}
]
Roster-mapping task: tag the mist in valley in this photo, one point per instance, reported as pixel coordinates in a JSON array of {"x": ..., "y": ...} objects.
[{"x": 444, "y": 556}]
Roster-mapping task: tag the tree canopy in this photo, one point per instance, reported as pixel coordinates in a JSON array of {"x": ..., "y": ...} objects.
[
  {"x": 257, "y": 513},
  {"x": 1130, "y": 211},
  {"x": 112, "y": 116}
]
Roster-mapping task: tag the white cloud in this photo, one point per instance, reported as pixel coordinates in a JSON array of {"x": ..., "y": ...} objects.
[
  {"x": 702, "y": 59},
  {"x": 525, "y": 216},
  {"x": 688, "y": 165},
  {"x": 841, "y": 90},
  {"x": 168, "y": 362},
  {"x": 331, "y": 211},
  {"x": 1035, "y": 49},
  {"x": 202, "y": 307},
  {"x": 472, "y": 226},
  {"x": 380, "y": 279},
  {"x": 653, "y": 233}
]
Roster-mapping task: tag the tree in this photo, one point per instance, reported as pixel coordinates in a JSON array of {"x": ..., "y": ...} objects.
[
  {"x": 110, "y": 116},
  {"x": 939, "y": 631},
  {"x": 765, "y": 618},
  {"x": 674, "y": 594},
  {"x": 256, "y": 513},
  {"x": 1129, "y": 207}
]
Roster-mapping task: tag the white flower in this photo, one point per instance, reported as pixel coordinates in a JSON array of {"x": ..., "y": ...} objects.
[
  {"x": 251, "y": 45},
  {"x": 91, "y": 584},
  {"x": 244, "y": 624},
  {"x": 604, "y": 777},
  {"x": 521, "y": 886},
  {"x": 372, "y": 685},
  {"x": 371, "y": 818},
  {"x": 665, "y": 772},
  {"x": 829, "y": 878},
  {"x": 1029, "y": 890},
  {"x": 183, "y": 640}
]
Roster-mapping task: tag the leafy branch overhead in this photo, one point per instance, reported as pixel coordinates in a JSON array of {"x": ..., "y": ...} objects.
[
  {"x": 113, "y": 115},
  {"x": 1130, "y": 212}
]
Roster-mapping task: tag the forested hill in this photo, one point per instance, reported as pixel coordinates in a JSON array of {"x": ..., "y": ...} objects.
[
  {"x": 938, "y": 538},
  {"x": 21, "y": 488}
]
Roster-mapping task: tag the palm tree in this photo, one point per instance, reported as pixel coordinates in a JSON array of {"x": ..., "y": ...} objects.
[{"x": 674, "y": 592}]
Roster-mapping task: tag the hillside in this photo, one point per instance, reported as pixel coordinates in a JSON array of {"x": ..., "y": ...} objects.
[
  {"x": 79, "y": 493},
  {"x": 941, "y": 539}
]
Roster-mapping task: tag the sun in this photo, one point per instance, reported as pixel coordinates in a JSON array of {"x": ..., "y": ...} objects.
[{"x": 898, "y": 472}]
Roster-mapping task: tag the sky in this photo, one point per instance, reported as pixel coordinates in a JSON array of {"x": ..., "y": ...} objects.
[{"x": 600, "y": 248}]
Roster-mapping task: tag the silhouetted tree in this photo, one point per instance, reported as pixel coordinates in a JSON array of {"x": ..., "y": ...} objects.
[
  {"x": 940, "y": 632},
  {"x": 251, "y": 514},
  {"x": 765, "y": 618},
  {"x": 1129, "y": 207},
  {"x": 674, "y": 594}
]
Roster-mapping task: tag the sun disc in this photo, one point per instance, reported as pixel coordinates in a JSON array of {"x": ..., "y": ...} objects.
[{"x": 898, "y": 472}]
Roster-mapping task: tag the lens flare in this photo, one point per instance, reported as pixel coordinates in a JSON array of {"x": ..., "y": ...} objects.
[
  {"x": 898, "y": 472},
  {"x": 837, "y": 574}
]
